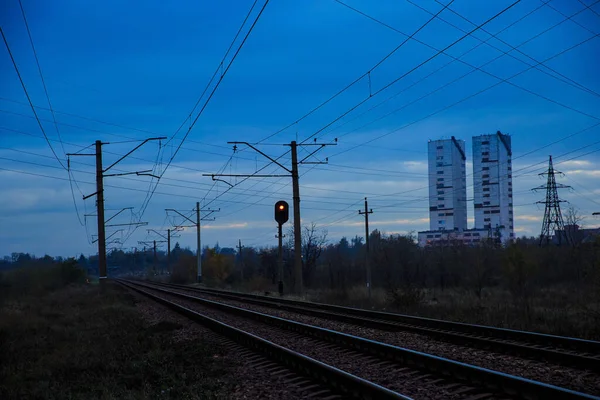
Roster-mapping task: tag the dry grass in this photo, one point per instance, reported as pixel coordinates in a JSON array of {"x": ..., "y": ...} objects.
[
  {"x": 554, "y": 310},
  {"x": 77, "y": 343}
]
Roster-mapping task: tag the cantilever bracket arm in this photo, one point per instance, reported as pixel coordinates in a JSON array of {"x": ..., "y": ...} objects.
[
  {"x": 267, "y": 156},
  {"x": 171, "y": 209},
  {"x": 132, "y": 150},
  {"x": 220, "y": 180},
  {"x": 126, "y": 208},
  {"x": 158, "y": 233},
  {"x": 90, "y": 195},
  {"x": 113, "y": 234},
  {"x": 250, "y": 175},
  {"x": 311, "y": 154},
  {"x": 144, "y": 174},
  {"x": 130, "y": 173}
]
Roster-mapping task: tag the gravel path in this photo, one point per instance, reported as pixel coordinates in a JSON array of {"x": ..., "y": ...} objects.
[
  {"x": 558, "y": 375},
  {"x": 407, "y": 381},
  {"x": 259, "y": 384}
]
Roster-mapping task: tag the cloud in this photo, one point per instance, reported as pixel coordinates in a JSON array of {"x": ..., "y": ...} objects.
[
  {"x": 226, "y": 226},
  {"x": 529, "y": 218},
  {"x": 522, "y": 230},
  {"x": 375, "y": 223},
  {"x": 584, "y": 172},
  {"x": 415, "y": 165},
  {"x": 575, "y": 163}
]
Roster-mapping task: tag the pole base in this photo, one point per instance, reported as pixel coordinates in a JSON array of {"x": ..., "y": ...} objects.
[
  {"x": 281, "y": 288},
  {"x": 199, "y": 279}
]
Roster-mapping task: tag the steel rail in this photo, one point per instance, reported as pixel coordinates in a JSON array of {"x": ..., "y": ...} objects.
[
  {"x": 371, "y": 319},
  {"x": 340, "y": 381},
  {"x": 514, "y": 386}
]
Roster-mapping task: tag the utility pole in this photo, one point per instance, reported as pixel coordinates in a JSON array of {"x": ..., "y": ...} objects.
[
  {"x": 100, "y": 212},
  {"x": 197, "y": 225},
  {"x": 293, "y": 173},
  {"x": 198, "y": 245},
  {"x": 297, "y": 227},
  {"x": 168, "y": 241},
  {"x": 154, "y": 244},
  {"x": 155, "y": 256},
  {"x": 100, "y": 175},
  {"x": 241, "y": 259},
  {"x": 367, "y": 255}
]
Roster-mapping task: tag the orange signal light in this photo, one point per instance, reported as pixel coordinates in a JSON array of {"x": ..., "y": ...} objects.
[{"x": 281, "y": 212}]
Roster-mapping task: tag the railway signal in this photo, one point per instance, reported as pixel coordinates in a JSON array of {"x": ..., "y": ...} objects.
[{"x": 282, "y": 212}]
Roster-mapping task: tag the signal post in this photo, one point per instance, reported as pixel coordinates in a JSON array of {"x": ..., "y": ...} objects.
[{"x": 282, "y": 214}]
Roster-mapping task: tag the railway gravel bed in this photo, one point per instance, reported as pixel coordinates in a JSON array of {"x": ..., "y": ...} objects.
[
  {"x": 570, "y": 378},
  {"x": 266, "y": 380},
  {"x": 408, "y": 381}
]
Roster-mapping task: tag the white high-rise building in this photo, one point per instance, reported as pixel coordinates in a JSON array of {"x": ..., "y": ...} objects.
[
  {"x": 492, "y": 185},
  {"x": 447, "y": 185}
]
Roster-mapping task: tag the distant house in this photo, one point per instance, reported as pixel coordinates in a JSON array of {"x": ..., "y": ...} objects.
[{"x": 575, "y": 234}]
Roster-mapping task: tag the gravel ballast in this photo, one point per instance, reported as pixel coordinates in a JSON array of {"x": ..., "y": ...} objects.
[
  {"x": 557, "y": 375},
  {"x": 248, "y": 380},
  {"x": 407, "y": 381}
]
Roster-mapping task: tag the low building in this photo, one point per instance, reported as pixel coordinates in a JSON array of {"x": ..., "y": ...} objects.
[
  {"x": 575, "y": 234},
  {"x": 469, "y": 237}
]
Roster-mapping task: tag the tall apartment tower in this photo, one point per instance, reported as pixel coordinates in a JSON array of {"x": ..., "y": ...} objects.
[
  {"x": 447, "y": 185},
  {"x": 492, "y": 185}
]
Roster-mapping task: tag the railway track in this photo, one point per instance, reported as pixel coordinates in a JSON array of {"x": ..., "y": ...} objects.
[
  {"x": 571, "y": 352},
  {"x": 393, "y": 367},
  {"x": 319, "y": 380}
]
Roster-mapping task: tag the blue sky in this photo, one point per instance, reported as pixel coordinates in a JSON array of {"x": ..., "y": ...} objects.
[{"x": 120, "y": 72}]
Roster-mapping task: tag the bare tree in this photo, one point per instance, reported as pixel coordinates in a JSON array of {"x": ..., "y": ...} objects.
[
  {"x": 313, "y": 241},
  {"x": 574, "y": 217},
  {"x": 573, "y": 221}
]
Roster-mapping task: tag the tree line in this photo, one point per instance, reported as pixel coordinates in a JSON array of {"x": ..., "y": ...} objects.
[{"x": 519, "y": 281}]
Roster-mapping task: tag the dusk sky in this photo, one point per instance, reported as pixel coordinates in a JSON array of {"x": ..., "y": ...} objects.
[{"x": 121, "y": 72}]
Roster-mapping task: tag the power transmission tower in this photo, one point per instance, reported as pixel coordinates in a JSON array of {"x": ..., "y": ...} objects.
[
  {"x": 553, "y": 220},
  {"x": 100, "y": 175},
  {"x": 367, "y": 256},
  {"x": 293, "y": 173},
  {"x": 168, "y": 239},
  {"x": 197, "y": 225}
]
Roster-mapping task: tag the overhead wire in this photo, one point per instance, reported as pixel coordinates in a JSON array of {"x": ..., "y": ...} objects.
[
  {"x": 37, "y": 61},
  {"x": 393, "y": 82},
  {"x": 500, "y": 80},
  {"x": 559, "y": 76},
  {"x": 474, "y": 95},
  {"x": 99, "y": 121},
  {"x": 422, "y": 79},
  {"x": 356, "y": 80},
  {"x": 219, "y": 67},
  {"x": 14, "y": 63},
  {"x": 223, "y": 74}
]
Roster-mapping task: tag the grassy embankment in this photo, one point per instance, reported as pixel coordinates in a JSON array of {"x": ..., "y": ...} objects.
[
  {"x": 61, "y": 338},
  {"x": 555, "y": 310}
]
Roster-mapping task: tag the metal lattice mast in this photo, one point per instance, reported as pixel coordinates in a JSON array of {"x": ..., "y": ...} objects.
[{"x": 553, "y": 220}]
